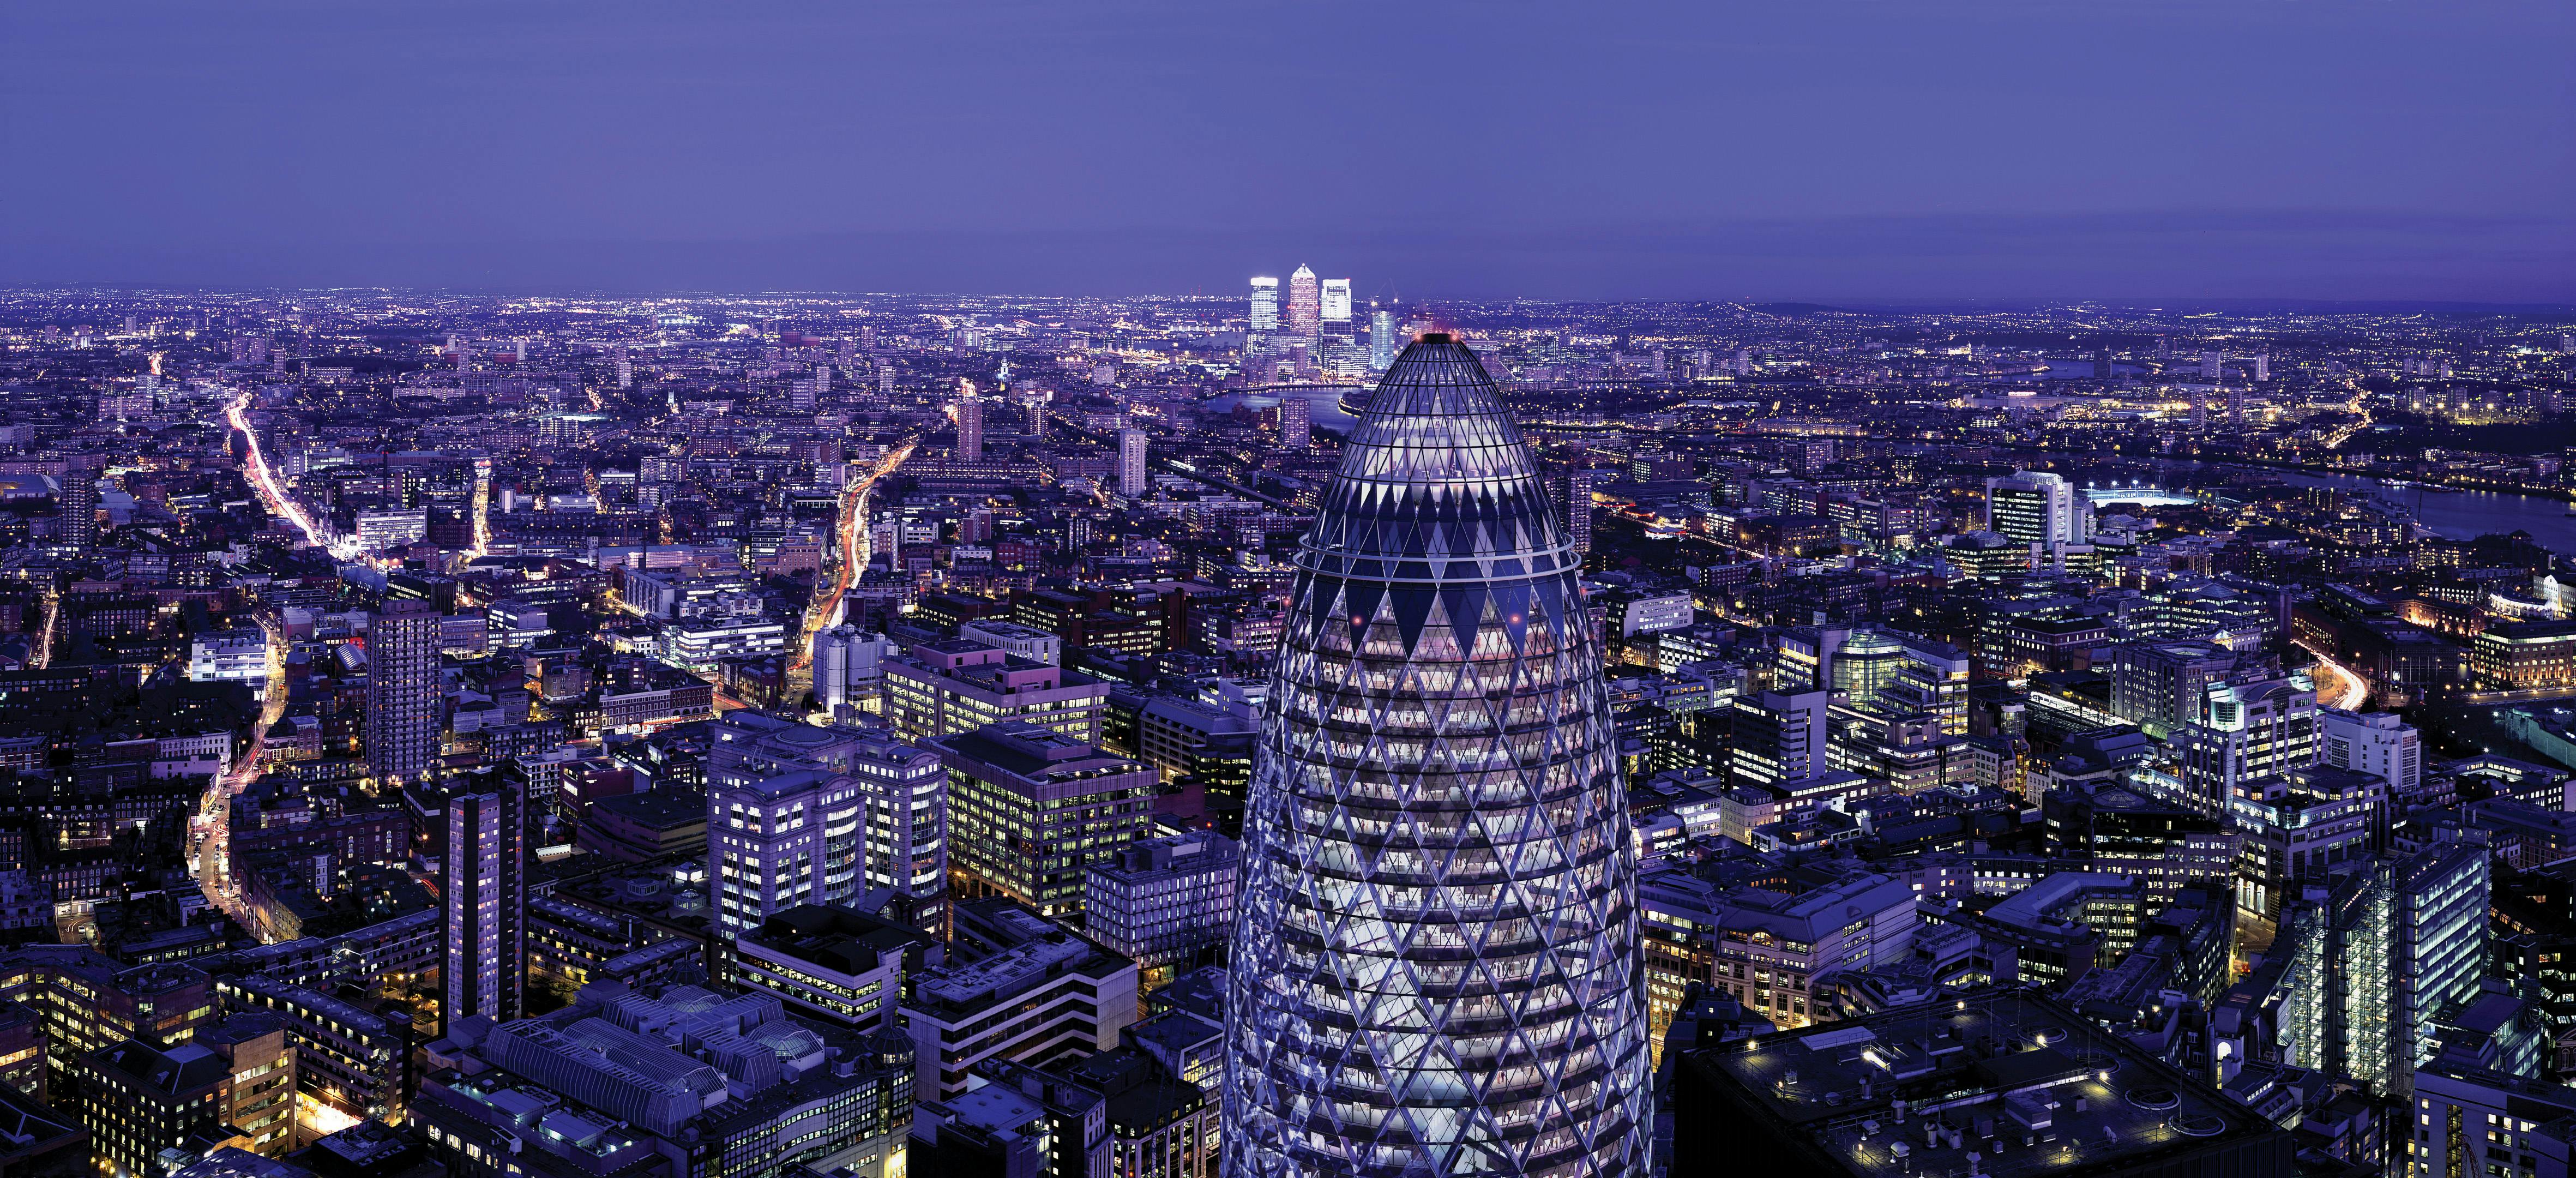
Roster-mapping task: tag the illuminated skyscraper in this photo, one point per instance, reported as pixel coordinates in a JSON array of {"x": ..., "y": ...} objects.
[
  {"x": 1265, "y": 305},
  {"x": 1574, "y": 497},
  {"x": 1133, "y": 481},
  {"x": 1335, "y": 300},
  {"x": 2036, "y": 507},
  {"x": 1381, "y": 339},
  {"x": 1436, "y": 966},
  {"x": 2372, "y": 966},
  {"x": 970, "y": 429},
  {"x": 1305, "y": 304},
  {"x": 483, "y": 883},
  {"x": 1294, "y": 432},
  {"x": 80, "y": 506},
  {"x": 404, "y": 695}
]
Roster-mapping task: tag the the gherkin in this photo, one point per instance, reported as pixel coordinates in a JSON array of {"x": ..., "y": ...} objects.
[{"x": 1435, "y": 966}]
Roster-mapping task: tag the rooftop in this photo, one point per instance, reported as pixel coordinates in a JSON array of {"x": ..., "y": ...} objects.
[{"x": 2026, "y": 1084}]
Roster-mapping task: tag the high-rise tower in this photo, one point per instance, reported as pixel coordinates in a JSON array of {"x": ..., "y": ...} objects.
[
  {"x": 403, "y": 690},
  {"x": 970, "y": 428},
  {"x": 1265, "y": 306},
  {"x": 483, "y": 884},
  {"x": 1132, "y": 473},
  {"x": 1296, "y": 432},
  {"x": 1435, "y": 963},
  {"x": 80, "y": 507},
  {"x": 1333, "y": 300},
  {"x": 1305, "y": 304}
]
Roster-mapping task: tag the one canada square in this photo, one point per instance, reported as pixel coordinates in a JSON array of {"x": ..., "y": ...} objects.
[{"x": 1435, "y": 964}]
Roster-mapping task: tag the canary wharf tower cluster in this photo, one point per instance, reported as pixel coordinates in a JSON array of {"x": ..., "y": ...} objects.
[{"x": 1435, "y": 962}]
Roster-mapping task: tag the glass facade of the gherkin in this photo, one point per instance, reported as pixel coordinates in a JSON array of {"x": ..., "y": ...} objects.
[{"x": 1435, "y": 964}]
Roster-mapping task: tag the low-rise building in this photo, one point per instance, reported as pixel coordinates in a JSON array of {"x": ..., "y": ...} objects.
[
  {"x": 349, "y": 1059},
  {"x": 685, "y": 1083},
  {"x": 939, "y": 689},
  {"x": 1031, "y": 809},
  {"x": 1017, "y": 986},
  {"x": 1860, "y": 1101},
  {"x": 141, "y": 1101},
  {"x": 1167, "y": 903},
  {"x": 835, "y": 963},
  {"x": 1765, "y": 945}
]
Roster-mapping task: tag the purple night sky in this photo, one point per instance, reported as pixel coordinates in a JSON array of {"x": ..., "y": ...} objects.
[{"x": 1809, "y": 149}]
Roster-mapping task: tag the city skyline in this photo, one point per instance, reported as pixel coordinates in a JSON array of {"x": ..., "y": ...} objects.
[
  {"x": 1814, "y": 152},
  {"x": 629, "y": 589},
  {"x": 629, "y": 705}
]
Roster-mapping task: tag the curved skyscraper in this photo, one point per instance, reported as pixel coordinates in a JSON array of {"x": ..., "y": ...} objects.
[{"x": 1435, "y": 966}]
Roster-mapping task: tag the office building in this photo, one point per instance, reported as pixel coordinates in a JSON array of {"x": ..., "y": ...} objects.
[
  {"x": 835, "y": 963},
  {"x": 1437, "y": 807},
  {"x": 1028, "y": 642},
  {"x": 1767, "y": 946},
  {"x": 2520, "y": 655},
  {"x": 2297, "y": 826},
  {"x": 2036, "y": 507},
  {"x": 1333, "y": 300},
  {"x": 2157, "y": 685},
  {"x": 952, "y": 686},
  {"x": 906, "y": 792},
  {"x": 258, "y": 1106},
  {"x": 2475, "y": 1122},
  {"x": 1191, "y": 738},
  {"x": 2064, "y": 924},
  {"x": 1779, "y": 738},
  {"x": 1166, "y": 903},
  {"x": 1879, "y": 670},
  {"x": 1019, "y": 1120},
  {"x": 681, "y": 1081},
  {"x": 2244, "y": 730},
  {"x": 1265, "y": 306},
  {"x": 2395, "y": 943},
  {"x": 1016, "y": 986},
  {"x": 231, "y": 656},
  {"x": 2213, "y": 365},
  {"x": 1134, "y": 478},
  {"x": 483, "y": 883},
  {"x": 1574, "y": 501},
  {"x": 1305, "y": 304},
  {"x": 140, "y": 1100},
  {"x": 352, "y": 1061},
  {"x": 1382, "y": 341},
  {"x": 898, "y": 791},
  {"x": 2376, "y": 743},
  {"x": 849, "y": 670},
  {"x": 1031, "y": 809},
  {"x": 2121, "y": 829},
  {"x": 782, "y": 838},
  {"x": 404, "y": 691}
]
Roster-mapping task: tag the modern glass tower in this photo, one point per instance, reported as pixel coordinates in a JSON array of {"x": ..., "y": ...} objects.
[{"x": 1435, "y": 961}]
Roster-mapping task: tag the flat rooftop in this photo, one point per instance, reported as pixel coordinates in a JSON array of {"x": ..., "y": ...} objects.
[{"x": 2025, "y": 1083}]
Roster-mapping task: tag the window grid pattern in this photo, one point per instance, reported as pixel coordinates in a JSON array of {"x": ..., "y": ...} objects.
[{"x": 1435, "y": 963}]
